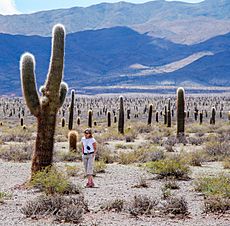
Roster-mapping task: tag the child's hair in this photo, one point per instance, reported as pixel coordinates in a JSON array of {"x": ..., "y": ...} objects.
[{"x": 89, "y": 131}]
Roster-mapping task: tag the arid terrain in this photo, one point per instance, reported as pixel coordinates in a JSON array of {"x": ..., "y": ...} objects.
[{"x": 147, "y": 176}]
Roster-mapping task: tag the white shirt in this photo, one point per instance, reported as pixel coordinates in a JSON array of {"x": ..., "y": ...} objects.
[{"x": 88, "y": 143}]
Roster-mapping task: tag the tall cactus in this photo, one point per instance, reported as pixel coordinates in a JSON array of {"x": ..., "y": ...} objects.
[
  {"x": 45, "y": 108},
  {"x": 121, "y": 119},
  {"x": 150, "y": 114},
  {"x": 71, "y": 111},
  {"x": 90, "y": 118},
  {"x": 109, "y": 118},
  {"x": 169, "y": 122},
  {"x": 213, "y": 117},
  {"x": 180, "y": 111}
]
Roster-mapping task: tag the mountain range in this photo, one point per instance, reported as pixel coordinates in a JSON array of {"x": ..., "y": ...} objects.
[
  {"x": 120, "y": 46},
  {"x": 119, "y": 56}
]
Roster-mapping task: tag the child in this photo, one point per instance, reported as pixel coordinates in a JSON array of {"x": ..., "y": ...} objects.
[{"x": 88, "y": 155}]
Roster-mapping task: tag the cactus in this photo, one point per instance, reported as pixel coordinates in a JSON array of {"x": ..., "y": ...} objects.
[
  {"x": 22, "y": 121},
  {"x": 63, "y": 122},
  {"x": 121, "y": 119},
  {"x": 157, "y": 116},
  {"x": 150, "y": 114},
  {"x": 72, "y": 138},
  {"x": 213, "y": 117},
  {"x": 90, "y": 119},
  {"x": 109, "y": 118},
  {"x": 169, "y": 122},
  {"x": 201, "y": 118},
  {"x": 45, "y": 108},
  {"x": 78, "y": 121},
  {"x": 180, "y": 111},
  {"x": 165, "y": 115},
  {"x": 71, "y": 111}
]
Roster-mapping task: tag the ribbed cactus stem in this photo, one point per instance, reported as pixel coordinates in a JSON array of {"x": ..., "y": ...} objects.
[
  {"x": 90, "y": 119},
  {"x": 63, "y": 122},
  {"x": 46, "y": 107},
  {"x": 121, "y": 119},
  {"x": 72, "y": 137},
  {"x": 150, "y": 114},
  {"x": 71, "y": 111},
  {"x": 180, "y": 111}
]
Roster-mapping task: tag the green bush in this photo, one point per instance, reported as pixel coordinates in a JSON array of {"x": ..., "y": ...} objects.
[
  {"x": 214, "y": 186},
  {"x": 52, "y": 181},
  {"x": 169, "y": 168},
  {"x": 99, "y": 167}
]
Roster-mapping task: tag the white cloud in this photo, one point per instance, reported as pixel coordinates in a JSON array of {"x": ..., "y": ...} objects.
[{"x": 7, "y": 7}]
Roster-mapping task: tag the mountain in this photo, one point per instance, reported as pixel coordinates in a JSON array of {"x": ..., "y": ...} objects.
[
  {"x": 116, "y": 57},
  {"x": 176, "y": 21}
]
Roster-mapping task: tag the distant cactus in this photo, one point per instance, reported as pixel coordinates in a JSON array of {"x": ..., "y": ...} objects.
[
  {"x": 180, "y": 111},
  {"x": 169, "y": 121},
  {"x": 150, "y": 114},
  {"x": 71, "y": 111},
  {"x": 90, "y": 119},
  {"x": 157, "y": 116},
  {"x": 115, "y": 119},
  {"x": 213, "y": 116},
  {"x": 45, "y": 108},
  {"x": 201, "y": 118},
  {"x": 78, "y": 121},
  {"x": 109, "y": 118},
  {"x": 22, "y": 121},
  {"x": 63, "y": 122},
  {"x": 72, "y": 137},
  {"x": 165, "y": 115},
  {"x": 121, "y": 119}
]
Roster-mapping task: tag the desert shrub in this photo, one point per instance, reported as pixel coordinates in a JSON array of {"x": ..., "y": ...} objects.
[
  {"x": 165, "y": 168},
  {"x": 214, "y": 186},
  {"x": 123, "y": 146},
  {"x": 166, "y": 192},
  {"x": 195, "y": 140},
  {"x": 17, "y": 153},
  {"x": 63, "y": 156},
  {"x": 73, "y": 171},
  {"x": 217, "y": 150},
  {"x": 142, "y": 183},
  {"x": 99, "y": 166},
  {"x": 216, "y": 204},
  {"x": 17, "y": 134},
  {"x": 52, "y": 181},
  {"x": 3, "y": 196},
  {"x": 142, "y": 204},
  {"x": 172, "y": 184},
  {"x": 127, "y": 158},
  {"x": 226, "y": 163},
  {"x": 61, "y": 208},
  {"x": 116, "y": 205},
  {"x": 193, "y": 158},
  {"x": 176, "y": 205},
  {"x": 105, "y": 155}
]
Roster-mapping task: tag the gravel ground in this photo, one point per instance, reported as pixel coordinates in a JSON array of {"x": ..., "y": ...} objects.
[{"x": 116, "y": 183}]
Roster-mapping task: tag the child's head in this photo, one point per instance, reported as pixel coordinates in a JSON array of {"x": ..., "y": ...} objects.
[{"x": 88, "y": 133}]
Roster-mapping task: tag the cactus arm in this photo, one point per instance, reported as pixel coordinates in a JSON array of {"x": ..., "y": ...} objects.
[
  {"x": 57, "y": 60},
  {"x": 63, "y": 92},
  {"x": 29, "y": 89}
]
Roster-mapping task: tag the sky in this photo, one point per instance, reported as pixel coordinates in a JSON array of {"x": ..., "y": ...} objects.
[{"x": 9, "y": 7}]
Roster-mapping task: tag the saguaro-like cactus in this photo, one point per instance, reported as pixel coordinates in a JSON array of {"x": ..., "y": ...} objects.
[
  {"x": 180, "y": 111},
  {"x": 71, "y": 111},
  {"x": 213, "y": 117},
  {"x": 169, "y": 114},
  {"x": 72, "y": 137},
  {"x": 109, "y": 118},
  {"x": 150, "y": 114},
  {"x": 90, "y": 119},
  {"x": 121, "y": 119},
  {"x": 45, "y": 108}
]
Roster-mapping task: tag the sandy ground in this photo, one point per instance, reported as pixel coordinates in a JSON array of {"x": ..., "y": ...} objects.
[{"x": 116, "y": 183}]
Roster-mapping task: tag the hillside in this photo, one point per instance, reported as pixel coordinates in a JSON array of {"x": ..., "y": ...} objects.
[{"x": 118, "y": 56}]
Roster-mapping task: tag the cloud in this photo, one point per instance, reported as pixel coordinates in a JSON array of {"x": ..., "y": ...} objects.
[{"x": 7, "y": 7}]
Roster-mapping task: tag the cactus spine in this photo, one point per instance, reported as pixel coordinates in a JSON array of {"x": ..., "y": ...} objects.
[
  {"x": 45, "y": 108},
  {"x": 121, "y": 119},
  {"x": 71, "y": 111},
  {"x": 180, "y": 111}
]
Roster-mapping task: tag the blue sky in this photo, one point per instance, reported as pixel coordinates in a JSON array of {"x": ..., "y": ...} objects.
[{"x": 29, "y": 6}]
